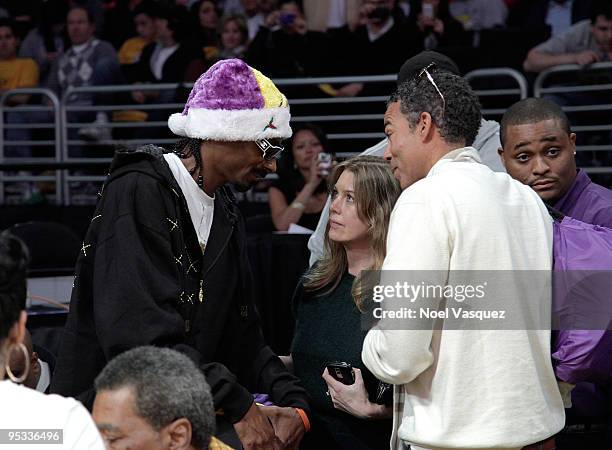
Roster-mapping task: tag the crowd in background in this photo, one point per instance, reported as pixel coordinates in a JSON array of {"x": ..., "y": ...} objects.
[{"x": 164, "y": 41}]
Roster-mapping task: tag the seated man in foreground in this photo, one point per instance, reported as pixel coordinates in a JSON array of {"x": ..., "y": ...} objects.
[{"x": 154, "y": 398}]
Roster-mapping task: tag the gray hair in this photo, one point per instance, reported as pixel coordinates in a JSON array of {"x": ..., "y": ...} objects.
[
  {"x": 167, "y": 386},
  {"x": 457, "y": 117}
]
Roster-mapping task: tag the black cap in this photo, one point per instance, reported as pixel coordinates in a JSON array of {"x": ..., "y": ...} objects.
[{"x": 414, "y": 65}]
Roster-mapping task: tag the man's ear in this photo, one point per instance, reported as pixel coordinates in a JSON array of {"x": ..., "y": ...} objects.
[
  {"x": 425, "y": 126},
  {"x": 572, "y": 138},
  {"x": 178, "y": 434},
  {"x": 500, "y": 152}
]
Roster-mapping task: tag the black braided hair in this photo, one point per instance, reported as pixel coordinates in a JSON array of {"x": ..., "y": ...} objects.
[{"x": 188, "y": 147}]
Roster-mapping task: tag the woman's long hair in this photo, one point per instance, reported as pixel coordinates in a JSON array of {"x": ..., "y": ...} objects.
[{"x": 376, "y": 191}]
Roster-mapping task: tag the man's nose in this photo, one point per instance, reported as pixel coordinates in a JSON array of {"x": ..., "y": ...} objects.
[
  {"x": 387, "y": 153},
  {"x": 540, "y": 166}
]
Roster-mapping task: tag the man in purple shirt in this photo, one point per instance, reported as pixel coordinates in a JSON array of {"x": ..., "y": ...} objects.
[{"x": 539, "y": 149}]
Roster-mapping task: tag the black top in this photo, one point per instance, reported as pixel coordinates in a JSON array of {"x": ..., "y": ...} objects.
[
  {"x": 141, "y": 279},
  {"x": 386, "y": 54},
  {"x": 328, "y": 328},
  {"x": 282, "y": 55},
  {"x": 290, "y": 190},
  {"x": 173, "y": 70}
]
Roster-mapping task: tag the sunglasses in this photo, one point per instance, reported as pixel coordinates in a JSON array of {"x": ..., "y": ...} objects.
[
  {"x": 426, "y": 73},
  {"x": 269, "y": 150}
]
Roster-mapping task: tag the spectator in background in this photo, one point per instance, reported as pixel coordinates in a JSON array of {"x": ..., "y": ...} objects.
[
  {"x": 206, "y": 32},
  {"x": 299, "y": 194},
  {"x": 330, "y": 15},
  {"x": 558, "y": 14},
  {"x": 144, "y": 20},
  {"x": 88, "y": 62},
  {"x": 23, "y": 407},
  {"x": 24, "y": 13},
  {"x": 234, "y": 37},
  {"x": 154, "y": 398},
  {"x": 268, "y": 6},
  {"x": 163, "y": 61},
  {"x": 14, "y": 72},
  {"x": 436, "y": 25},
  {"x": 374, "y": 47},
  {"x": 479, "y": 14},
  {"x": 337, "y": 19},
  {"x": 44, "y": 43},
  {"x": 234, "y": 44},
  {"x": 384, "y": 40},
  {"x": 284, "y": 48},
  {"x": 586, "y": 42},
  {"x": 254, "y": 17},
  {"x": 119, "y": 23}
]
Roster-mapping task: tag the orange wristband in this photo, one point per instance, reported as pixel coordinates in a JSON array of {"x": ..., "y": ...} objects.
[{"x": 304, "y": 418}]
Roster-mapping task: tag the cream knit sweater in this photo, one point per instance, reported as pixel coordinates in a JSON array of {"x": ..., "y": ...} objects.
[{"x": 469, "y": 389}]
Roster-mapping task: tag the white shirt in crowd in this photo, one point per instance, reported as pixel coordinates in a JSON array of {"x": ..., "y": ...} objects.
[
  {"x": 470, "y": 388},
  {"x": 25, "y": 408},
  {"x": 201, "y": 206},
  {"x": 559, "y": 16},
  {"x": 373, "y": 35},
  {"x": 159, "y": 57},
  {"x": 337, "y": 14}
]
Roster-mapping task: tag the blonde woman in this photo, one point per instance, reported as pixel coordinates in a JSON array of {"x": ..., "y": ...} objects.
[{"x": 328, "y": 309}]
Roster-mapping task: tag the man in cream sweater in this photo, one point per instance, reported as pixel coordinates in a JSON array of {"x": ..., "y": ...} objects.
[{"x": 462, "y": 384}]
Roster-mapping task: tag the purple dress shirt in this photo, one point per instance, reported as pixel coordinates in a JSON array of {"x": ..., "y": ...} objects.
[
  {"x": 590, "y": 203},
  {"x": 587, "y": 201}
]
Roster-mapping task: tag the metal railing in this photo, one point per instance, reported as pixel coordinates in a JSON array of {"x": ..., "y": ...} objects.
[
  {"x": 23, "y": 115},
  {"x": 71, "y": 113},
  {"x": 500, "y": 74},
  {"x": 353, "y": 124},
  {"x": 574, "y": 85}
]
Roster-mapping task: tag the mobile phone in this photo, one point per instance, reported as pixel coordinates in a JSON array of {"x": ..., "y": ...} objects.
[
  {"x": 428, "y": 10},
  {"x": 287, "y": 19},
  {"x": 326, "y": 163},
  {"x": 342, "y": 372}
]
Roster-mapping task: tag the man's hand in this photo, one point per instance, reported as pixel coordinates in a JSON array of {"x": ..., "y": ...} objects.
[
  {"x": 586, "y": 57},
  {"x": 287, "y": 424},
  {"x": 256, "y": 432},
  {"x": 272, "y": 20}
]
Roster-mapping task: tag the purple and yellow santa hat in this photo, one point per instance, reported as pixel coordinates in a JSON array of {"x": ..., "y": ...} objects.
[{"x": 233, "y": 102}]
